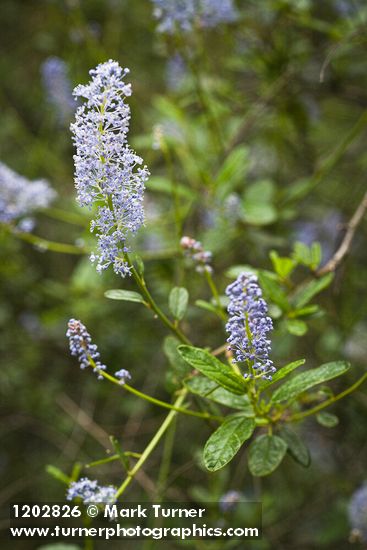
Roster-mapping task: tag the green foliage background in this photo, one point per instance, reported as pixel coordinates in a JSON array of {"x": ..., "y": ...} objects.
[{"x": 287, "y": 88}]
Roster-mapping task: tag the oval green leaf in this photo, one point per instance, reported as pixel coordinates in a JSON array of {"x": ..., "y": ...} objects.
[
  {"x": 296, "y": 448},
  {"x": 126, "y": 295},
  {"x": 281, "y": 373},
  {"x": 200, "y": 385},
  {"x": 305, "y": 294},
  {"x": 265, "y": 454},
  {"x": 328, "y": 420},
  {"x": 296, "y": 327},
  {"x": 214, "y": 369},
  {"x": 226, "y": 441},
  {"x": 170, "y": 346},
  {"x": 178, "y": 300},
  {"x": 306, "y": 380}
]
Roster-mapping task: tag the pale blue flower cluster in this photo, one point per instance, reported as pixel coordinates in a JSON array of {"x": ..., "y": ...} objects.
[
  {"x": 123, "y": 375},
  {"x": 107, "y": 172},
  {"x": 248, "y": 326},
  {"x": 58, "y": 87},
  {"x": 229, "y": 501},
  {"x": 215, "y": 12},
  {"x": 182, "y": 15},
  {"x": 19, "y": 196},
  {"x": 81, "y": 346},
  {"x": 357, "y": 511},
  {"x": 90, "y": 492},
  {"x": 176, "y": 72}
]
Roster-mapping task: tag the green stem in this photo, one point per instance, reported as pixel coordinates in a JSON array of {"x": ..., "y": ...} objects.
[
  {"x": 157, "y": 310},
  {"x": 64, "y": 216},
  {"x": 44, "y": 244},
  {"x": 153, "y": 400},
  {"x": 215, "y": 293},
  {"x": 166, "y": 460},
  {"x": 111, "y": 458},
  {"x": 152, "y": 444},
  {"x": 300, "y": 416}
]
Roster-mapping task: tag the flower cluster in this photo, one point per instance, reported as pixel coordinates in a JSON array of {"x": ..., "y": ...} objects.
[
  {"x": 229, "y": 501},
  {"x": 248, "y": 326},
  {"x": 19, "y": 196},
  {"x": 194, "y": 250},
  {"x": 215, "y": 12},
  {"x": 90, "y": 492},
  {"x": 123, "y": 375},
  {"x": 58, "y": 88},
  {"x": 176, "y": 72},
  {"x": 357, "y": 512},
  {"x": 80, "y": 343},
  {"x": 107, "y": 172},
  {"x": 183, "y": 14}
]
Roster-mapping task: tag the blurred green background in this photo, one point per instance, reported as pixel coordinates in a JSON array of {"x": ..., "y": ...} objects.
[{"x": 286, "y": 84}]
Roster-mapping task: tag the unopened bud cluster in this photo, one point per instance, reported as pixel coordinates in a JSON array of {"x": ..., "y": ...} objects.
[{"x": 194, "y": 250}]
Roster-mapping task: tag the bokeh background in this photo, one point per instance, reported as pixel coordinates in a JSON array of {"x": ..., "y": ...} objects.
[{"x": 287, "y": 84}]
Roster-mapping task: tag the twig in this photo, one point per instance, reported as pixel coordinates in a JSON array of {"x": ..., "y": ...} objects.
[
  {"x": 151, "y": 446},
  {"x": 84, "y": 420},
  {"x": 220, "y": 350},
  {"x": 153, "y": 400},
  {"x": 300, "y": 416},
  {"x": 346, "y": 243}
]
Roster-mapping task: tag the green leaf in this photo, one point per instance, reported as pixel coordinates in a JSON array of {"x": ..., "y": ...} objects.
[
  {"x": 306, "y": 380},
  {"x": 170, "y": 346},
  {"x": 170, "y": 109},
  {"x": 258, "y": 213},
  {"x": 257, "y": 207},
  {"x": 282, "y": 373},
  {"x": 226, "y": 441},
  {"x": 296, "y": 448},
  {"x": 260, "y": 192},
  {"x": 265, "y": 454},
  {"x": 126, "y": 295},
  {"x": 301, "y": 253},
  {"x": 272, "y": 289},
  {"x": 306, "y": 311},
  {"x": 204, "y": 387},
  {"x": 164, "y": 185},
  {"x": 328, "y": 420},
  {"x": 178, "y": 300},
  {"x": 233, "y": 170},
  {"x": 316, "y": 255},
  {"x": 309, "y": 256},
  {"x": 283, "y": 266},
  {"x": 297, "y": 190},
  {"x": 139, "y": 264},
  {"x": 296, "y": 327},
  {"x": 207, "y": 306},
  {"x": 214, "y": 369},
  {"x": 57, "y": 474},
  {"x": 307, "y": 292}
]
